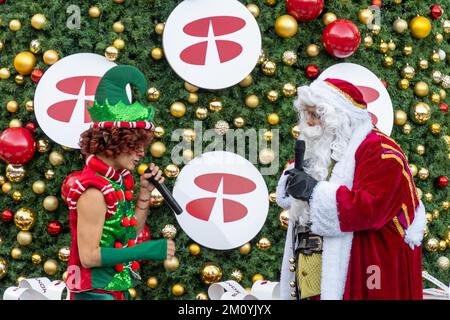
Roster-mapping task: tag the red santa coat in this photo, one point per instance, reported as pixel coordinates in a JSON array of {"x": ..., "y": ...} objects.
[{"x": 372, "y": 223}]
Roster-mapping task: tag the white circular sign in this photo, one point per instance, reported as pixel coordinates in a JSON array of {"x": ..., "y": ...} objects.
[
  {"x": 224, "y": 200},
  {"x": 62, "y": 94},
  {"x": 378, "y": 101},
  {"x": 212, "y": 44}
]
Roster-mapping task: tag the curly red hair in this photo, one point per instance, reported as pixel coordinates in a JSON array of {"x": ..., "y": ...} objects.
[{"x": 113, "y": 141}]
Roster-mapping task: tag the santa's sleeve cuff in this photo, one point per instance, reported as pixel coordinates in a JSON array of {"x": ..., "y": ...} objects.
[{"x": 323, "y": 210}]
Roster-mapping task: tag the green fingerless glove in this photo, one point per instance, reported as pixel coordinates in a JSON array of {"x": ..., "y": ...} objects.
[{"x": 149, "y": 250}]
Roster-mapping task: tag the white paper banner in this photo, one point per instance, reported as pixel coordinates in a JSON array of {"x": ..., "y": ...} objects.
[
  {"x": 443, "y": 293},
  {"x": 37, "y": 289},
  {"x": 231, "y": 290}
]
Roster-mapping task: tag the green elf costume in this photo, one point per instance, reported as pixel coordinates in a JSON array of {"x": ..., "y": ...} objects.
[{"x": 119, "y": 252}]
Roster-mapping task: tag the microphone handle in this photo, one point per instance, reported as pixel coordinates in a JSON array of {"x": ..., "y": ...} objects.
[
  {"x": 300, "y": 148},
  {"x": 168, "y": 197}
]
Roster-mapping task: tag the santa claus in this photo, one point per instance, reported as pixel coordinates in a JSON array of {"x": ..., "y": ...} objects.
[{"x": 356, "y": 224}]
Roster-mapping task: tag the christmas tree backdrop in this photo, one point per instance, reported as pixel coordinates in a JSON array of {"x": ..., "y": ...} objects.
[{"x": 414, "y": 66}]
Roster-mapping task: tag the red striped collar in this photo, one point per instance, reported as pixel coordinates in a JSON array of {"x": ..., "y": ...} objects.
[{"x": 109, "y": 172}]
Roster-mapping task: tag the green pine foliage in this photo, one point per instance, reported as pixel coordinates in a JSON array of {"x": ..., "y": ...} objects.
[{"x": 139, "y": 18}]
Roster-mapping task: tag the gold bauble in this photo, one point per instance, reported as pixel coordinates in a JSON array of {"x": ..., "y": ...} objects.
[
  {"x": 268, "y": 135},
  {"x": 6, "y": 187},
  {"x": 420, "y": 27},
  {"x": 169, "y": 231},
  {"x": 119, "y": 43},
  {"x": 439, "y": 37},
  {"x": 408, "y": 72},
  {"x": 192, "y": 98},
  {"x": 38, "y": 21},
  {"x": 15, "y": 25},
  {"x": 15, "y": 123},
  {"x": 35, "y": 46},
  {"x": 432, "y": 245},
  {"x": 178, "y": 290},
  {"x": 420, "y": 149},
  {"x": 445, "y": 205},
  {"x": 407, "y": 128},
  {"x": 254, "y": 9},
  {"x": 39, "y": 187},
  {"x": 442, "y": 94},
  {"x": 257, "y": 277},
  {"x": 157, "y": 53},
  {"x": 435, "y": 98},
  {"x": 261, "y": 57},
  {"x": 435, "y": 128},
  {"x": 413, "y": 169},
  {"x": 17, "y": 195},
  {"x": 12, "y": 106},
  {"x": 56, "y": 158},
  {"x": 284, "y": 219},
  {"x": 421, "y": 89},
  {"x": 210, "y": 273},
  {"x": 403, "y": 84},
  {"x": 159, "y": 28},
  {"x": 94, "y": 12},
  {"x": 273, "y": 197},
  {"x": 237, "y": 275},
  {"x": 201, "y": 296},
  {"x": 171, "y": 171},
  {"x": 2, "y": 180},
  {"x": 24, "y": 219},
  {"x": 133, "y": 293},
  {"x": 50, "y": 57},
  {"x": 442, "y": 262},
  {"x": 239, "y": 122},
  {"x": 20, "y": 279},
  {"x": 252, "y": 101},
  {"x": 221, "y": 127},
  {"x": 295, "y": 131},
  {"x": 312, "y": 50},
  {"x": 201, "y": 113},
  {"x": 188, "y": 135},
  {"x": 42, "y": 145},
  {"x": 51, "y": 267},
  {"x": 111, "y": 53},
  {"x": 171, "y": 264},
  {"x": 247, "y": 81},
  {"x": 365, "y": 16},
  {"x": 437, "y": 76},
  {"x": 194, "y": 249},
  {"x": 383, "y": 47},
  {"x": 266, "y": 156},
  {"x": 215, "y": 105},
  {"x": 428, "y": 197},
  {"x": 188, "y": 155},
  {"x": 388, "y": 61},
  {"x": 375, "y": 29},
  {"x": 157, "y": 149},
  {"x": 2, "y": 45},
  {"x": 289, "y": 58},
  {"x": 159, "y": 131},
  {"x": 15, "y": 173},
  {"x": 400, "y": 117},
  {"x": 391, "y": 45},
  {"x": 152, "y": 282},
  {"x": 178, "y": 109},
  {"x": 328, "y": 18},
  {"x": 190, "y": 87},
  {"x": 435, "y": 212},
  {"x": 447, "y": 140},
  {"x": 36, "y": 258},
  {"x": 368, "y": 41},
  {"x": 24, "y": 62},
  {"x": 64, "y": 276},
  {"x": 273, "y": 119},
  {"x": 141, "y": 168},
  {"x": 264, "y": 244},
  {"x": 272, "y": 95},
  {"x": 29, "y": 106},
  {"x": 24, "y": 238},
  {"x": 118, "y": 27},
  {"x": 289, "y": 89},
  {"x": 64, "y": 253},
  {"x": 423, "y": 174},
  {"x": 119, "y": 1},
  {"x": 4, "y": 73},
  {"x": 245, "y": 249},
  {"x": 156, "y": 199},
  {"x": 49, "y": 174},
  {"x": 420, "y": 112},
  {"x": 286, "y": 26},
  {"x": 429, "y": 217},
  {"x": 50, "y": 203},
  {"x": 419, "y": 193},
  {"x": 435, "y": 57},
  {"x": 269, "y": 68},
  {"x": 446, "y": 25},
  {"x": 16, "y": 253},
  {"x": 423, "y": 64}
]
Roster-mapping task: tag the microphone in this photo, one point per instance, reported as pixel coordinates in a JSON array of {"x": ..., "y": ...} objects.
[
  {"x": 165, "y": 192},
  {"x": 300, "y": 148}
]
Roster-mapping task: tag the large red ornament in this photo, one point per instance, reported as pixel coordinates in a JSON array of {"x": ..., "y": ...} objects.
[
  {"x": 444, "y": 107},
  {"x": 305, "y": 10},
  {"x": 142, "y": 237},
  {"x": 17, "y": 145},
  {"x": 36, "y": 75},
  {"x": 54, "y": 228},
  {"x": 68, "y": 183},
  {"x": 341, "y": 38},
  {"x": 312, "y": 71},
  {"x": 7, "y": 216},
  {"x": 436, "y": 12},
  {"x": 442, "y": 182}
]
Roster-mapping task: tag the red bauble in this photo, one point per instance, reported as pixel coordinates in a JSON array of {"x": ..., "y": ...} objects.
[
  {"x": 442, "y": 182},
  {"x": 31, "y": 127},
  {"x": 341, "y": 38},
  {"x": 36, "y": 75},
  {"x": 444, "y": 107},
  {"x": 436, "y": 12},
  {"x": 17, "y": 145},
  {"x": 54, "y": 228},
  {"x": 68, "y": 183},
  {"x": 7, "y": 216},
  {"x": 2, "y": 1},
  {"x": 142, "y": 237},
  {"x": 385, "y": 84},
  {"x": 377, "y": 3},
  {"x": 305, "y": 10},
  {"x": 312, "y": 71}
]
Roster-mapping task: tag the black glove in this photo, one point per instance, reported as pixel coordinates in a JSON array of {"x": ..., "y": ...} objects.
[{"x": 299, "y": 184}]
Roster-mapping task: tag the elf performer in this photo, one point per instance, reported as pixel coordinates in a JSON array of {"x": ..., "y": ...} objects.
[
  {"x": 104, "y": 221},
  {"x": 356, "y": 224}
]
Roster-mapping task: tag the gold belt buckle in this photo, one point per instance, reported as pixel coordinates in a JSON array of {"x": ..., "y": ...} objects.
[{"x": 319, "y": 241}]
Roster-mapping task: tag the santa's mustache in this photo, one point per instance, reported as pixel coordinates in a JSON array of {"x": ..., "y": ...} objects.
[{"x": 312, "y": 132}]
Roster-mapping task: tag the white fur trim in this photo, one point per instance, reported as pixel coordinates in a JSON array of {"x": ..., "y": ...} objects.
[
  {"x": 414, "y": 233},
  {"x": 283, "y": 200},
  {"x": 324, "y": 213}
]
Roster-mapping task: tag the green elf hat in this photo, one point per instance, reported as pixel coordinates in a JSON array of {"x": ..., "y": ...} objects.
[{"x": 111, "y": 106}]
